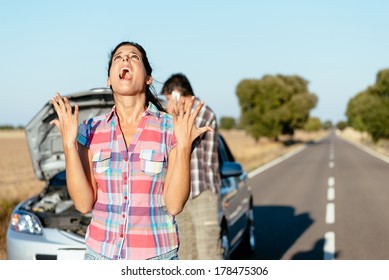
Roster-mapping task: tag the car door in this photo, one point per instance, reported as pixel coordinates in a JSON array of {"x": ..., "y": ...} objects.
[{"x": 235, "y": 195}]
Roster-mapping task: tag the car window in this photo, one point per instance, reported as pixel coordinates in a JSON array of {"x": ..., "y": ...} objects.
[
  {"x": 224, "y": 152},
  {"x": 229, "y": 184}
]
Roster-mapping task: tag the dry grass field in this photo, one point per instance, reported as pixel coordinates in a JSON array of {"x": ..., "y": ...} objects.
[{"x": 17, "y": 180}]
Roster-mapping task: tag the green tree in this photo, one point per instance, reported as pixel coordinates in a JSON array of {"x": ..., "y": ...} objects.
[
  {"x": 313, "y": 124},
  {"x": 377, "y": 118},
  {"x": 327, "y": 125},
  {"x": 356, "y": 109},
  {"x": 369, "y": 110},
  {"x": 274, "y": 105},
  {"x": 227, "y": 123},
  {"x": 341, "y": 125}
]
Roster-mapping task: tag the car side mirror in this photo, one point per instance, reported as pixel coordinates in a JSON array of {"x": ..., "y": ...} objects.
[{"x": 231, "y": 169}]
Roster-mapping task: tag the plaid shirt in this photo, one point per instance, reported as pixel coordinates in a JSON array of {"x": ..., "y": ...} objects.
[
  {"x": 204, "y": 160},
  {"x": 129, "y": 219}
]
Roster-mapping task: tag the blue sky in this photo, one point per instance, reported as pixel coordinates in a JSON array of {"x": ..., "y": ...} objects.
[{"x": 49, "y": 46}]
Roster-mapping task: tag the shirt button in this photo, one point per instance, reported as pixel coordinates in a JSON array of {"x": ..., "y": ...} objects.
[
  {"x": 123, "y": 216},
  {"x": 121, "y": 235},
  {"x": 125, "y": 197}
]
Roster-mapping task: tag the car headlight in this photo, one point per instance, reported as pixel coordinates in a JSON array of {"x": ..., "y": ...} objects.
[{"x": 25, "y": 222}]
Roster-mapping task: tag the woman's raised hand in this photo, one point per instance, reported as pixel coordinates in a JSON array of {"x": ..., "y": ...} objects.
[
  {"x": 184, "y": 122},
  {"x": 67, "y": 121}
]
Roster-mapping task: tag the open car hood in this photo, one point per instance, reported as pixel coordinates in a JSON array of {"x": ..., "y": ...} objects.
[{"x": 44, "y": 140}]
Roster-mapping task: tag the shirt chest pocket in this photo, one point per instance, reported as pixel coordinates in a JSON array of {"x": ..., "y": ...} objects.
[
  {"x": 101, "y": 161},
  {"x": 151, "y": 162}
]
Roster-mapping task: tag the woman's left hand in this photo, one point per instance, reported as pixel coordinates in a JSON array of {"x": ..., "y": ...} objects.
[{"x": 184, "y": 120}]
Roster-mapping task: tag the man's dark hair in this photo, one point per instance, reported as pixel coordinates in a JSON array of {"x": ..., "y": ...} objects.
[{"x": 178, "y": 82}]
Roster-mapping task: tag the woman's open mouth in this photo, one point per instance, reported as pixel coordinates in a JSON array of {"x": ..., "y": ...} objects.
[{"x": 125, "y": 74}]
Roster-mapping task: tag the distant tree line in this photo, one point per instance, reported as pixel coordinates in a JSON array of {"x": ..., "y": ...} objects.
[
  {"x": 10, "y": 127},
  {"x": 368, "y": 111},
  {"x": 273, "y": 105}
]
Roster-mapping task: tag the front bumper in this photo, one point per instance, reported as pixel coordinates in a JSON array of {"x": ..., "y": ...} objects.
[{"x": 53, "y": 244}]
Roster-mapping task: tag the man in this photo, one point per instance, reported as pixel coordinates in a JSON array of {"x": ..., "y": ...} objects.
[{"x": 198, "y": 224}]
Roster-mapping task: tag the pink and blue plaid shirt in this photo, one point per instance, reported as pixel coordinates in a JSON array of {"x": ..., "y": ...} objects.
[{"x": 129, "y": 219}]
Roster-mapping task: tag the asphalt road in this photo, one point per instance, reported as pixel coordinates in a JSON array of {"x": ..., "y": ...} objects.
[{"x": 328, "y": 201}]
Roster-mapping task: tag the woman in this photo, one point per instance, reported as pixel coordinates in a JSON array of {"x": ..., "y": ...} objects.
[{"x": 131, "y": 167}]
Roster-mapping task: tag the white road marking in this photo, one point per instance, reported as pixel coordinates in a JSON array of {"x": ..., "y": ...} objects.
[
  {"x": 329, "y": 237},
  {"x": 331, "y": 182},
  {"x": 330, "y": 213},
  {"x": 274, "y": 162},
  {"x": 368, "y": 150},
  {"x": 329, "y": 246},
  {"x": 330, "y": 194}
]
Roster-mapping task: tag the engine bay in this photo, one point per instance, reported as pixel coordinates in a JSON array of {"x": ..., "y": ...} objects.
[{"x": 56, "y": 210}]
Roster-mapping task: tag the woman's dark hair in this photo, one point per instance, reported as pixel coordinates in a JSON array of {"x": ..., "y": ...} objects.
[{"x": 150, "y": 91}]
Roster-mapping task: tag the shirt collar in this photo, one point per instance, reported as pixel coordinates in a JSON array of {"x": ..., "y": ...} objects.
[
  {"x": 110, "y": 114},
  {"x": 151, "y": 110}
]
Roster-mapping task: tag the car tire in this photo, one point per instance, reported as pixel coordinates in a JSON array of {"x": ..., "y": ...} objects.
[
  {"x": 225, "y": 243},
  {"x": 248, "y": 242}
]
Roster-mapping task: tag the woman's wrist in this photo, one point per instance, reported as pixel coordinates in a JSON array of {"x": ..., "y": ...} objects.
[
  {"x": 69, "y": 147},
  {"x": 184, "y": 148}
]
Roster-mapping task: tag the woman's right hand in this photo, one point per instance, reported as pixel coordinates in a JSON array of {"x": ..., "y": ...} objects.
[{"x": 67, "y": 121}]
